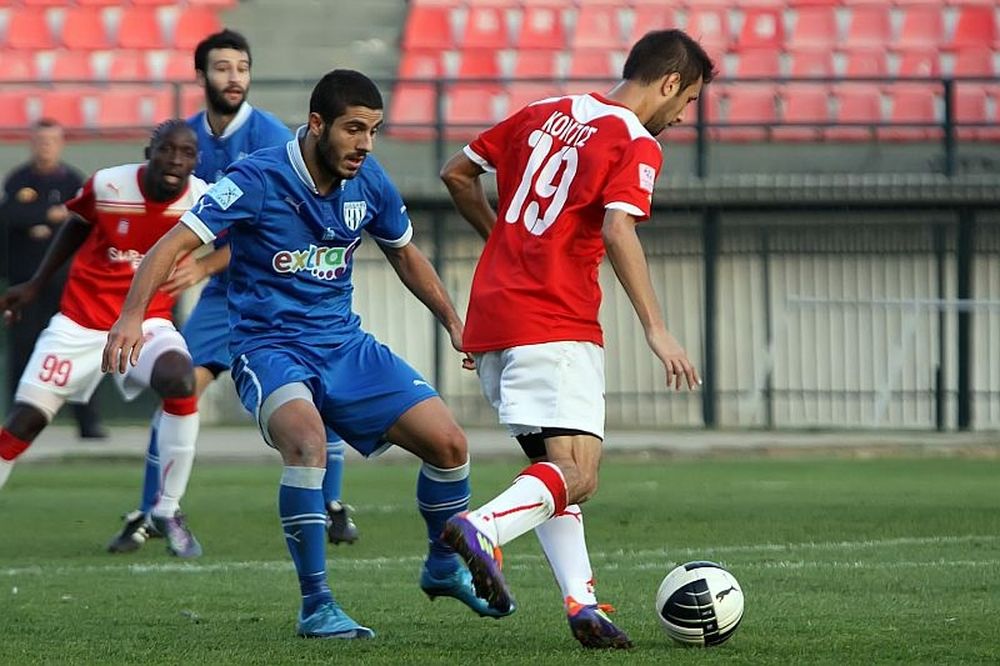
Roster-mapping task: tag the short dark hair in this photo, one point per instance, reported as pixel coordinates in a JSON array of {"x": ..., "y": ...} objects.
[
  {"x": 45, "y": 123},
  {"x": 165, "y": 129},
  {"x": 340, "y": 89},
  {"x": 663, "y": 52},
  {"x": 224, "y": 39}
]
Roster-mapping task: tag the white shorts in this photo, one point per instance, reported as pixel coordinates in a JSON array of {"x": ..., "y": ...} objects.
[
  {"x": 66, "y": 363},
  {"x": 548, "y": 385}
]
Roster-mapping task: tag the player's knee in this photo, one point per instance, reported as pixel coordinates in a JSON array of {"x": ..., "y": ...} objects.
[
  {"x": 452, "y": 448},
  {"x": 302, "y": 451},
  {"x": 173, "y": 376}
]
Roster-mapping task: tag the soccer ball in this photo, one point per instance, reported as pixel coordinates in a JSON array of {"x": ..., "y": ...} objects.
[{"x": 700, "y": 603}]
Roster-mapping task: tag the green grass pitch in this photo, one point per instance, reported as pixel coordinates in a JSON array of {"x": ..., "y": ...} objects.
[{"x": 841, "y": 560}]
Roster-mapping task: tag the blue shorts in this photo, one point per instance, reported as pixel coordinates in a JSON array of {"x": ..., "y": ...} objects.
[
  {"x": 207, "y": 329},
  {"x": 360, "y": 388}
]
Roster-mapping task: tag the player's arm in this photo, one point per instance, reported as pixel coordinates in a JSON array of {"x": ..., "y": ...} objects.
[
  {"x": 629, "y": 262},
  {"x": 462, "y": 178},
  {"x": 67, "y": 241},
  {"x": 125, "y": 337},
  {"x": 418, "y": 274},
  {"x": 191, "y": 271}
]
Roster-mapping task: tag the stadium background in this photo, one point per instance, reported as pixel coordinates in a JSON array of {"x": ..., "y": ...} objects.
[{"x": 826, "y": 239}]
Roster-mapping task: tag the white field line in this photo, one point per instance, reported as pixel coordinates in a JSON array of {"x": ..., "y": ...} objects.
[{"x": 639, "y": 560}]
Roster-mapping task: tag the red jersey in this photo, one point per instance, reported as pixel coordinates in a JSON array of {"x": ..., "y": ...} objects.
[
  {"x": 560, "y": 163},
  {"x": 125, "y": 225}
]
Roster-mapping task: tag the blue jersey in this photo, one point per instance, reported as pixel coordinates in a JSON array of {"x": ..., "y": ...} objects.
[
  {"x": 250, "y": 130},
  {"x": 292, "y": 249}
]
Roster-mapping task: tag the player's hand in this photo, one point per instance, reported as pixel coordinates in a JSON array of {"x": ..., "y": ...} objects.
[
  {"x": 189, "y": 272},
  {"x": 675, "y": 360},
  {"x": 124, "y": 343},
  {"x": 57, "y": 214},
  {"x": 468, "y": 363},
  {"x": 15, "y": 299},
  {"x": 39, "y": 232}
]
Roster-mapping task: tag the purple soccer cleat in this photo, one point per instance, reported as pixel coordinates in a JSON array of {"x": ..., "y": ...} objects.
[
  {"x": 484, "y": 560},
  {"x": 591, "y": 626}
]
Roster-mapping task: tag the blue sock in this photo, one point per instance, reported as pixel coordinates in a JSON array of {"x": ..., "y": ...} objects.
[
  {"x": 334, "y": 471},
  {"x": 151, "y": 481},
  {"x": 303, "y": 519},
  {"x": 441, "y": 493}
]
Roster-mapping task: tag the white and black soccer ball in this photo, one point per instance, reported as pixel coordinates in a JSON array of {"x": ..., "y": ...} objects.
[{"x": 700, "y": 603}]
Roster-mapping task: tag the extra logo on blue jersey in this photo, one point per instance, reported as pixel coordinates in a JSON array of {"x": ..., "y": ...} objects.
[{"x": 325, "y": 263}]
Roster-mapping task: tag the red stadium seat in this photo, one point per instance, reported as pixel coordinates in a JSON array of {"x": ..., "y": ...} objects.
[
  {"x": 541, "y": 28},
  {"x": 44, "y": 3},
  {"x": 98, "y": 3},
  {"x": 537, "y": 64},
  {"x": 976, "y": 27},
  {"x": 759, "y": 63},
  {"x": 479, "y": 64},
  {"x": 912, "y": 104},
  {"x": 595, "y": 64},
  {"x": 651, "y": 16},
  {"x": 869, "y": 27},
  {"x": 128, "y": 66},
  {"x": 520, "y": 95},
  {"x": 815, "y": 27},
  {"x": 29, "y": 29},
  {"x": 804, "y": 103},
  {"x": 971, "y": 104},
  {"x": 152, "y": 3},
  {"x": 71, "y": 66},
  {"x": 192, "y": 100},
  {"x": 485, "y": 28},
  {"x": 14, "y": 108},
  {"x": 598, "y": 27},
  {"x": 419, "y": 64},
  {"x": 750, "y": 104},
  {"x": 428, "y": 27},
  {"x": 65, "y": 105},
  {"x": 762, "y": 28},
  {"x": 179, "y": 67},
  {"x": 17, "y": 66},
  {"x": 811, "y": 63},
  {"x": 922, "y": 28},
  {"x": 855, "y": 104},
  {"x": 865, "y": 63},
  {"x": 139, "y": 28},
  {"x": 920, "y": 63},
  {"x": 193, "y": 25},
  {"x": 974, "y": 62},
  {"x": 83, "y": 28},
  {"x": 470, "y": 108},
  {"x": 412, "y": 111},
  {"x": 218, "y": 4},
  {"x": 710, "y": 26},
  {"x": 119, "y": 107}
]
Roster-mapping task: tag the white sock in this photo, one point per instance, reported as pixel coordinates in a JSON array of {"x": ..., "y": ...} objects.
[
  {"x": 177, "y": 436},
  {"x": 565, "y": 545},
  {"x": 528, "y": 502},
  {"x": 5, "y": 467}
]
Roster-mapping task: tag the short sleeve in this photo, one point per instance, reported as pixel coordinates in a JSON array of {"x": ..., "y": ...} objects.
[
  {"x": 630, "y": 184},
  {"x": 83, "y": 203},
  {"x": 487, "y": 149},
  {"x": 391, "y": 225},
  {"x": 236, "y": 198}
]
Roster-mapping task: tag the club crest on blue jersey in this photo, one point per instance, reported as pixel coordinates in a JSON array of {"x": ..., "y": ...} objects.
[
  {"x": 325, "y": 263},
  {"x": 354, "y": 213}
]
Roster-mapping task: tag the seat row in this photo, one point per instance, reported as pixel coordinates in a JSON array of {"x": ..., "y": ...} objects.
[
  {"x": 114, "y": 65},
  {"x": 842, "y": 111},
  {"x": 609, "y": 25},
  {"x": 95, "y": 28},
  {"x": 138, "y": 107}
]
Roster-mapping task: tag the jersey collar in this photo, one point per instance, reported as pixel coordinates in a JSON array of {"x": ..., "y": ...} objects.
[
  {"x": 294, "y": 149},
  {"x": 238, "y": 121}
]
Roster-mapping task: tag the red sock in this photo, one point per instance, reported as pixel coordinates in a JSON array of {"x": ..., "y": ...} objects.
[{"x": 10, "y": 446}]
